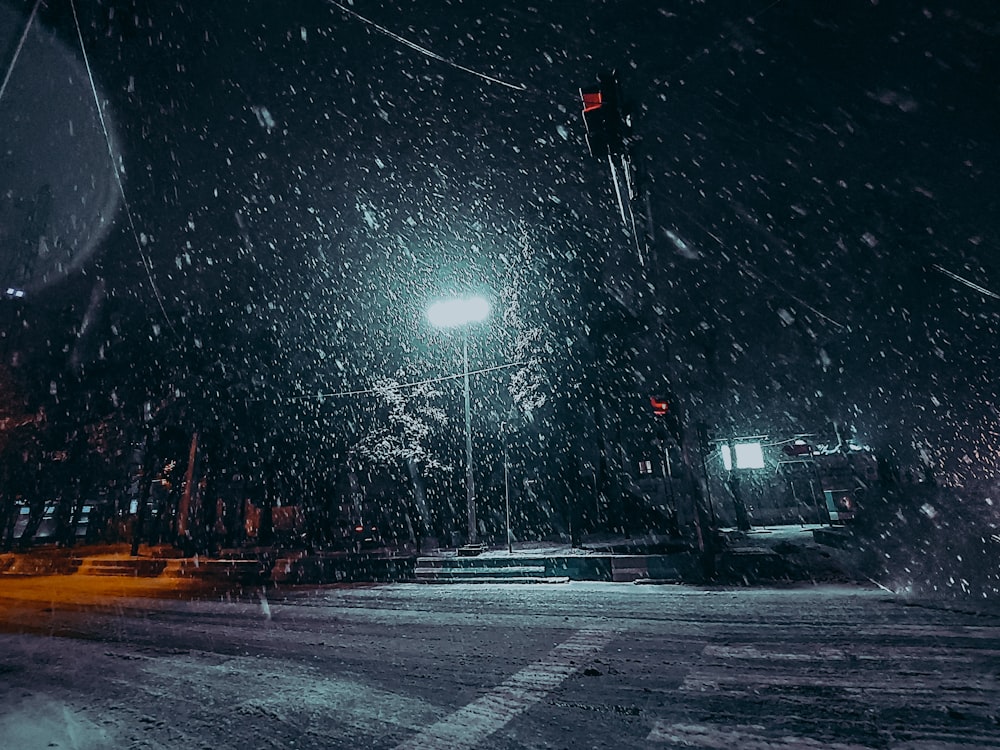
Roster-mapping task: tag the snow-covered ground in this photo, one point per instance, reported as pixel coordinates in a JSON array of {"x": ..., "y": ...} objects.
[{"x": 585, "y": 665}]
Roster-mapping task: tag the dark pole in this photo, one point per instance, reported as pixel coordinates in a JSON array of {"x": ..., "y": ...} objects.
[
  {"x": 742, "y": 517},
  {"x": 668, "y": 475},
  {"x": 704, "y": 450},
  {"x": 144, "y": 493},
  {"x": 470, "y": 489},
  {"x": 506, "y": 490},
  {"x": 183, "y": 531}
]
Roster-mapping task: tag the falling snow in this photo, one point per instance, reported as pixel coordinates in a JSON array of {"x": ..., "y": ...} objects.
[{"x": 222, "y": 227}]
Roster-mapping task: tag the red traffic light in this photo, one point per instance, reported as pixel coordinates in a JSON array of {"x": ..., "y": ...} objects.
[
  {"x": 606, "y": 124},
  {"x": 591, "y": 99},
  {"x": 661, "y": 407}
]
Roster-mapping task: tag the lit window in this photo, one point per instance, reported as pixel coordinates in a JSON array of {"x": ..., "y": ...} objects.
[{"x": 749, "y": 456}]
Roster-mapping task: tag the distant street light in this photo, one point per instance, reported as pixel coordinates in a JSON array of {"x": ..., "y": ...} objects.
[
  {"x": 455, "y": 313},
  {"x": 748, "y": 454}
]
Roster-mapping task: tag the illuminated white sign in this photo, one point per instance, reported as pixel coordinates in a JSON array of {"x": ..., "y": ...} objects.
[{"x": 748, "y": 456}]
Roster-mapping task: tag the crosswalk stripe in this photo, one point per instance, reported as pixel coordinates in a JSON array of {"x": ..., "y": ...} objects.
[{"x": 469, "y": 726}]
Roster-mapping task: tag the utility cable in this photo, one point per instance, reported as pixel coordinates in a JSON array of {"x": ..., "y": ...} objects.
[
  {"x": 17, "y": 51},
  {"x": 425, "y": 51},
  {"x": 970, "y": 284},
  {"x": 146, "y": 264}
]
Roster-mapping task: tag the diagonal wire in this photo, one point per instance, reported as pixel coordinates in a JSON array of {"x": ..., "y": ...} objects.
[
  {"x": 146, "y": 264},
  {"x": 425, "y": 51},
  {"x": 20, "y": 44},
  {"x": 970, "y": 284}
]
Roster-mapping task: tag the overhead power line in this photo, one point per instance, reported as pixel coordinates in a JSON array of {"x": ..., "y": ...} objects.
[
  {"x": 970, "y": 284},
  {"x": 425, "y": 51},
  {"x": 20, "y": 44},
  {"x": 146, "y": 263}
]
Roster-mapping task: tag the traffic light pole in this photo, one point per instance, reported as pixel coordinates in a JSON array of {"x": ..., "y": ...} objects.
[
  {"x": 668, "y": 475},
  {"x": 695, "y": 512}
]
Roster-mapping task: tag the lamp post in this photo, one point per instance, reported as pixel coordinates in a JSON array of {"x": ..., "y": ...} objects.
[
  {"x": 453, "y": 313},
  {"x": 506, "y": 487},
  {"x": 745, "y": 453}
]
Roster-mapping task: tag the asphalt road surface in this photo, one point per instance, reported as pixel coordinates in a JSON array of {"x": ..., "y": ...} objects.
[{"x": 581, "y": 665}]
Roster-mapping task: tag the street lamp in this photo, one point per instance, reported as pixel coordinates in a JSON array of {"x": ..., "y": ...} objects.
[
  {"x": 460, "y": 313},
  {"x": 748, "y": 454}
]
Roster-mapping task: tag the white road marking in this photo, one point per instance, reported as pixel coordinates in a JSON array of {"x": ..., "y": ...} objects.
[
  {"x": 940, "y": 632},
  {"x": 743, "y": 737},
  {"x": 892, "y": 676},
  {"x": 755, "y": 653},
  {"x": 469, "y": 726},
  {"x": 917, "y": 689},
  {"x": 854, "y": 652}
]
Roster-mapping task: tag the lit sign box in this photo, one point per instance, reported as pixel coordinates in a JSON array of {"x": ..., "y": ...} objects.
[{"x": 748, "y": 456}]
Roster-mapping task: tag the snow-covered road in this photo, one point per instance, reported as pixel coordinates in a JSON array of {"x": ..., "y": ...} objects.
[{"x": 577, "y": 666}]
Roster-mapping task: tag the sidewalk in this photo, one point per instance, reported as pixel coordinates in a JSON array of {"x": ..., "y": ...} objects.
[
  {"x": 112, "y": 559},
  {"x": 762, "y": 555},
  {"x": 238, "y": 567}
]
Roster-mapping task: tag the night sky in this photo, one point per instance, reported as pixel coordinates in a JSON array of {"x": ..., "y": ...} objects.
[{"x": 818, "y": 174}]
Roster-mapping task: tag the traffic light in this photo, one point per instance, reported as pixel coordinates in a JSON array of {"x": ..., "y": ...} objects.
[
  {"x": 602, "y": 116},
  {"x": 661, "y": 407},
  {"x": 671, "y": 422}
]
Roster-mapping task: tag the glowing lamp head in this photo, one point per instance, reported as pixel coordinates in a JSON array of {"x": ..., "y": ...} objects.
[
  {"x": 452, "y": 313},
  {"x": 747, "y": 456}
]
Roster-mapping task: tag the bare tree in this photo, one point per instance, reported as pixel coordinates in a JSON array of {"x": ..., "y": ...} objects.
[
  {"x": 407, "y": 417},
  {"x": 522, "y": 300}
]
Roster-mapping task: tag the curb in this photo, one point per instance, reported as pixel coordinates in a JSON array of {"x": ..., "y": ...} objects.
[{"x": 740, "y": 561}]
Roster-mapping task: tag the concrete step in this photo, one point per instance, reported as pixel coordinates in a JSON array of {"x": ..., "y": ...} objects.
[
  {"x": 483, "y": 570},
  {"x": 445, "y": 579},
  {"x": 480, "y": 563},
  {"x": 462, "y": 571},
  {"x": 38, "y": 564},
  {"x": 135, "y": 567},
  {"x": 147, "y": 567}
]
